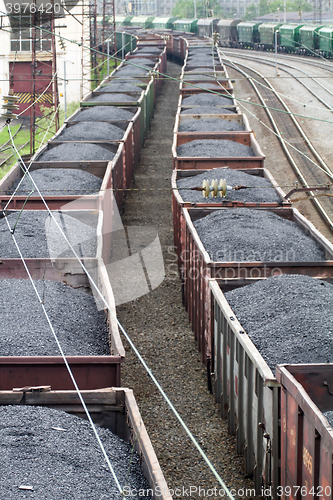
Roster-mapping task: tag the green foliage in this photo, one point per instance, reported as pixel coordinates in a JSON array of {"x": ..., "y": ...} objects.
[
  {"x": 265, "y": 7},
  {"x": 205, "y": 8}
]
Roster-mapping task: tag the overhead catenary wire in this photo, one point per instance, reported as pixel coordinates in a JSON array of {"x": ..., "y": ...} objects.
[
  {"x": 129, "y": 340},
  {"x": 162, "y": 74}
]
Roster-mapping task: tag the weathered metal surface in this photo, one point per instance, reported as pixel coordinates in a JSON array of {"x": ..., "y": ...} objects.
[
  {"x": 247, "y": 392},
  {"x": 306, "y": 439}
]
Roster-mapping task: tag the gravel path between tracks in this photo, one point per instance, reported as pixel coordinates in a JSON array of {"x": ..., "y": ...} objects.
[
  {"x": 76, "y": 151},
  {"x": 243, "y": 234},
  {"x": 38, "y": 236},
  {"x": 158, "y": 325},
  {"x": 80, "y": 327},
  {"x": 58, "y": 455},
  {"x": 210, "y": 125},
  {"x": 264, "y": 193},
  {"x": 329, "y": 416},
  {"x": 214, "y": 148},
  {"x": 83, "y": 131},
  {"x": 289, "y": 318},
  {"x": 64, "y": 181},
  {"x": 103, "y": 113}
]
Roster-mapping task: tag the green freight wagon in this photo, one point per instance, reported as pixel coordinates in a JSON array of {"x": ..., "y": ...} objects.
[
  {"x": 326, "y": 41},
  {"x": 125, "y": 43},
  {"x": 227, "y": 30},
  {"x": 290, "y": 37},
  {"x": 188, "y": 25},
  {"x": 143, "y": 22},
  {"x": 163, "y": 23},
  {"x": 121, "y": 20},
  {"x": 309, "y": 39},
  {"x": 248, "y": 34},
  {"x": 267, "y": 35}
]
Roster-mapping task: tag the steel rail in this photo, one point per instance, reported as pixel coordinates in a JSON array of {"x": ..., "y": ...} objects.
[
  {"x": 270, "y": 62},
  {"x": 291, "y": 160}
]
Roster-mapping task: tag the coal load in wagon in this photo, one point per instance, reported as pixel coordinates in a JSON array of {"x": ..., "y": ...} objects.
[
  {"x": 188, "y": 76},
  {"x": 83, "y": 131},
  {"x": 132, "y": 70},
  {"x": 214, "y": 148},
  {"x": 38, "y": 236},
  {"x": 207, "y": 99},
  {"x": 128, "y": 80},
  {"x": 149, "y": 50},
  {"x": 140, "y": 61},
  {"x": 103, "y": 113},
  {"x": 76, "y": 151},
  {"x": 248, "y": 235},
  {"x": 59, "y": 181},
  {"x": 210, "y": 125},
  {"x": 25, "y": 331},
  {"x": 58, "y": 455},
  {"x": 204, "y": 85},
  {"x": 207, "y": 110},
  {"x": 120, "y": 87},
  {"x": 261, "y": 189},
  {"x": 329, "y": 416},
  {"x": 115, "y": 97},
  {"x": 289, "y": 318}
]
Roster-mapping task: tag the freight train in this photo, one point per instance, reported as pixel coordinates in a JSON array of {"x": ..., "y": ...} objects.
[
  {"x": 299, "y": 38},
  {"x": 285, "y": 439}
]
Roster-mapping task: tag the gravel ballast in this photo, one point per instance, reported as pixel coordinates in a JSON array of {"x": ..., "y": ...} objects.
[
  {"x": 80, "y": 327},
  {"x": 76, "y": 152},
  {"x": 60, "y": 181},
  {"x": 83, "y": 131},
  {"x": 38, "y": 236},
  {"x": 245, "y": 235},
  {"x": 265, "y": 193},
  {"x": 214, "y": 148},
  {"x": 116, "y": 97},
  {"x": 103, "y": 113},
  {"x": 289, "y": 318},
  {"x": 207, "y": 110},
  {"x": 210, "y": 125},
  {"x": 58, "y": 455}
]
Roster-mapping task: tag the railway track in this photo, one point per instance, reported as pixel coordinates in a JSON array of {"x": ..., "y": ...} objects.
[
  {"x": 298, "y": 79},
  {"x": 306, "y": 162}
]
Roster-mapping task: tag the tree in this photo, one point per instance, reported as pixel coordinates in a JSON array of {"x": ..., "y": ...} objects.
[
  {"x": 266, "y": 7},
  {"x": 205, "y": 8}
]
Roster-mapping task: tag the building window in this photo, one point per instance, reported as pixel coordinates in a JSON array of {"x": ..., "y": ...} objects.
[{"x": 21, "y": 35}]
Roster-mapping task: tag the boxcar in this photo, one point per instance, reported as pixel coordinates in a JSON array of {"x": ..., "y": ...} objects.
[
  {"x": 144, "y": 22},
  {"x": 163, "y": 23},
  {"x": 326, "y": 41},
  {"x": 248, "y": 34},
  {"x": 309, "y": 39},
  {"x": 267, "y": 35},
  {"x": 206, "y": 27},
  {"x": 188, "y": 25},
  {"x": 122, "y": 20},
  {"x": 290, "y": 37},
  {"x": 227, "y": 30}
]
